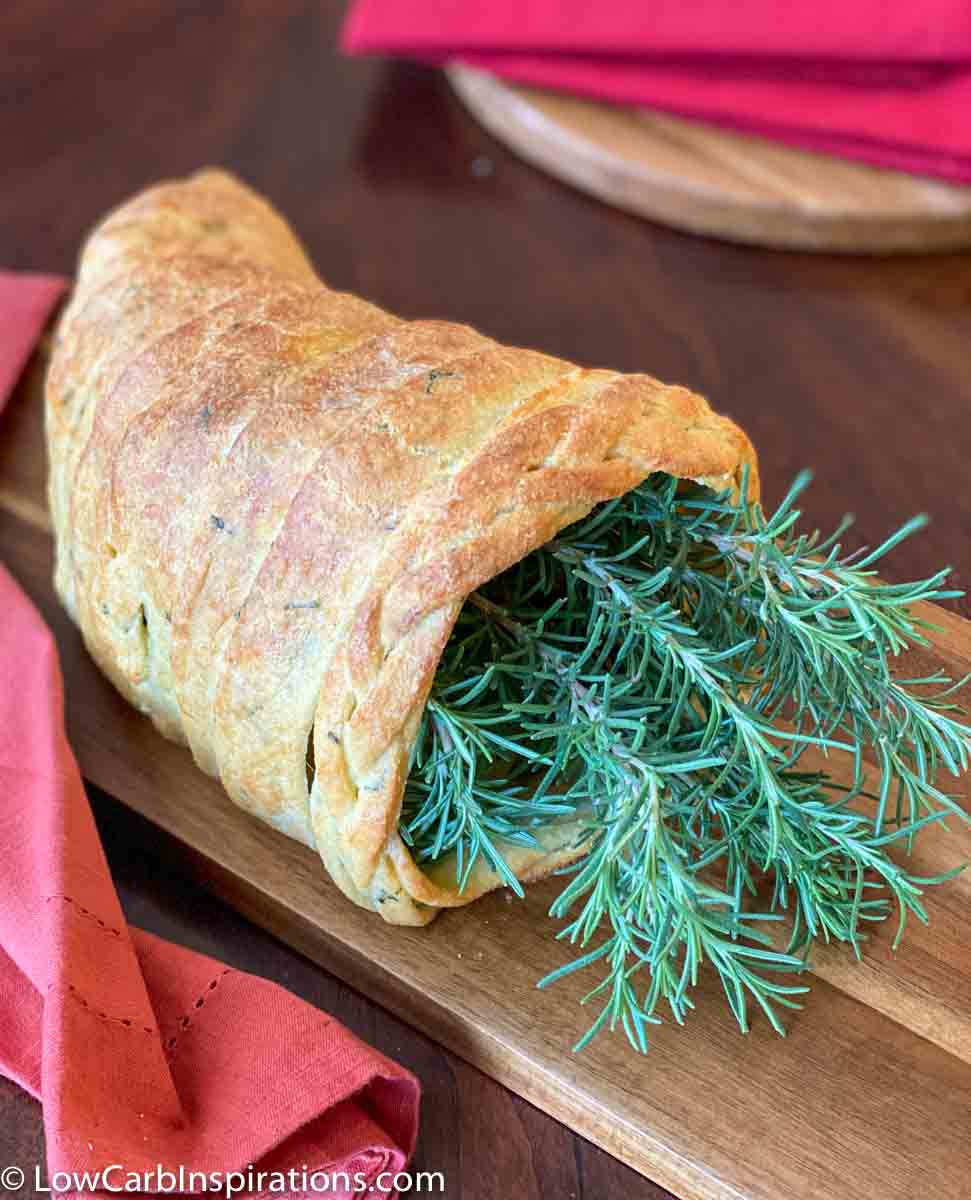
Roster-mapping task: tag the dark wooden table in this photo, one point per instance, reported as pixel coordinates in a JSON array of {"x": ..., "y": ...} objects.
[{"x": 859, "y": 368}]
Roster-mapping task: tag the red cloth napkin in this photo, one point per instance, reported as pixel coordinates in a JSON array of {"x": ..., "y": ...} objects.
[
  {"x": 884, "y": 82},
  {"x": 145, "y": 1054},
  {"x": 25, "y": 303}
]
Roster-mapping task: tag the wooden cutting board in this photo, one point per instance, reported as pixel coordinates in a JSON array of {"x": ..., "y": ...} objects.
[
  {"x": 712, "y": 181},
  {"x": 869, "y": 1095}
]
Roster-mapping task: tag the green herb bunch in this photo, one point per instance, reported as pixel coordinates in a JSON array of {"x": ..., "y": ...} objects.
[{"x": 657, "y": 672}]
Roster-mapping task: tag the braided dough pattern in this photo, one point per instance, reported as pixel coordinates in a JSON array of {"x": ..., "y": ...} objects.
[{"x": 271, "y": 499}]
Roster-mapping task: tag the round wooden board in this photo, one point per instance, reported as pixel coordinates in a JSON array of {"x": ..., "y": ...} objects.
[{"x": 710, "y": 181}]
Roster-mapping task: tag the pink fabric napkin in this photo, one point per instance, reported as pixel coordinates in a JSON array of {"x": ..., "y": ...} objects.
[
  {"x": 883, "y": 82},
  {"x": 145, "y": 1054},
  {"x": 25, "y": 304}
]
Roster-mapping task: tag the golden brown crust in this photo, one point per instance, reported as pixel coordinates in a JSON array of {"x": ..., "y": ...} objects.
[{"x": 271, "y": 500}]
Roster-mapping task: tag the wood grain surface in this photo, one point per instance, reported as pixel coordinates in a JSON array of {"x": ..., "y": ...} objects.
[
  {"x": 714, "y": 181},
  {"x": 858, "y": 368}
]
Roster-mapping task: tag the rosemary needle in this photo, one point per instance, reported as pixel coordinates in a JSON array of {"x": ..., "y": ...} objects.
[{"x": 632, "y": 673}]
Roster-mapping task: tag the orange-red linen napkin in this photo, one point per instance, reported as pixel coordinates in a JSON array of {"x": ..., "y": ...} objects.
[{"x": 146, "y": 1056}]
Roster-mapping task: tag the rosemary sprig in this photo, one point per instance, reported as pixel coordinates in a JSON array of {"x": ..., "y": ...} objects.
[{"x": 634, "y": 672}]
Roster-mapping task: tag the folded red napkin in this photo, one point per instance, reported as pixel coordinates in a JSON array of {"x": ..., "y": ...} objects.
[
  {"x": 146, "y": 1056},
  {"x": 884, "y": 83},
  {"x": 25, "y": 303}
]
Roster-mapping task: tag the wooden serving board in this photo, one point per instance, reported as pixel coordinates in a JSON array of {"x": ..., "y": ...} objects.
[
  {"x": 869, "y": 1095},
  {"x": 713, "y": 181}
]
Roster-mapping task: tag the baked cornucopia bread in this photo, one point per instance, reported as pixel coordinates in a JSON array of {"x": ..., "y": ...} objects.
[{"x": 271, "y": 499}]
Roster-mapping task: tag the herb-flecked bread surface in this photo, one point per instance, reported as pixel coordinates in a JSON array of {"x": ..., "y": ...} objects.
[{"x": 270, "y": 500}]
